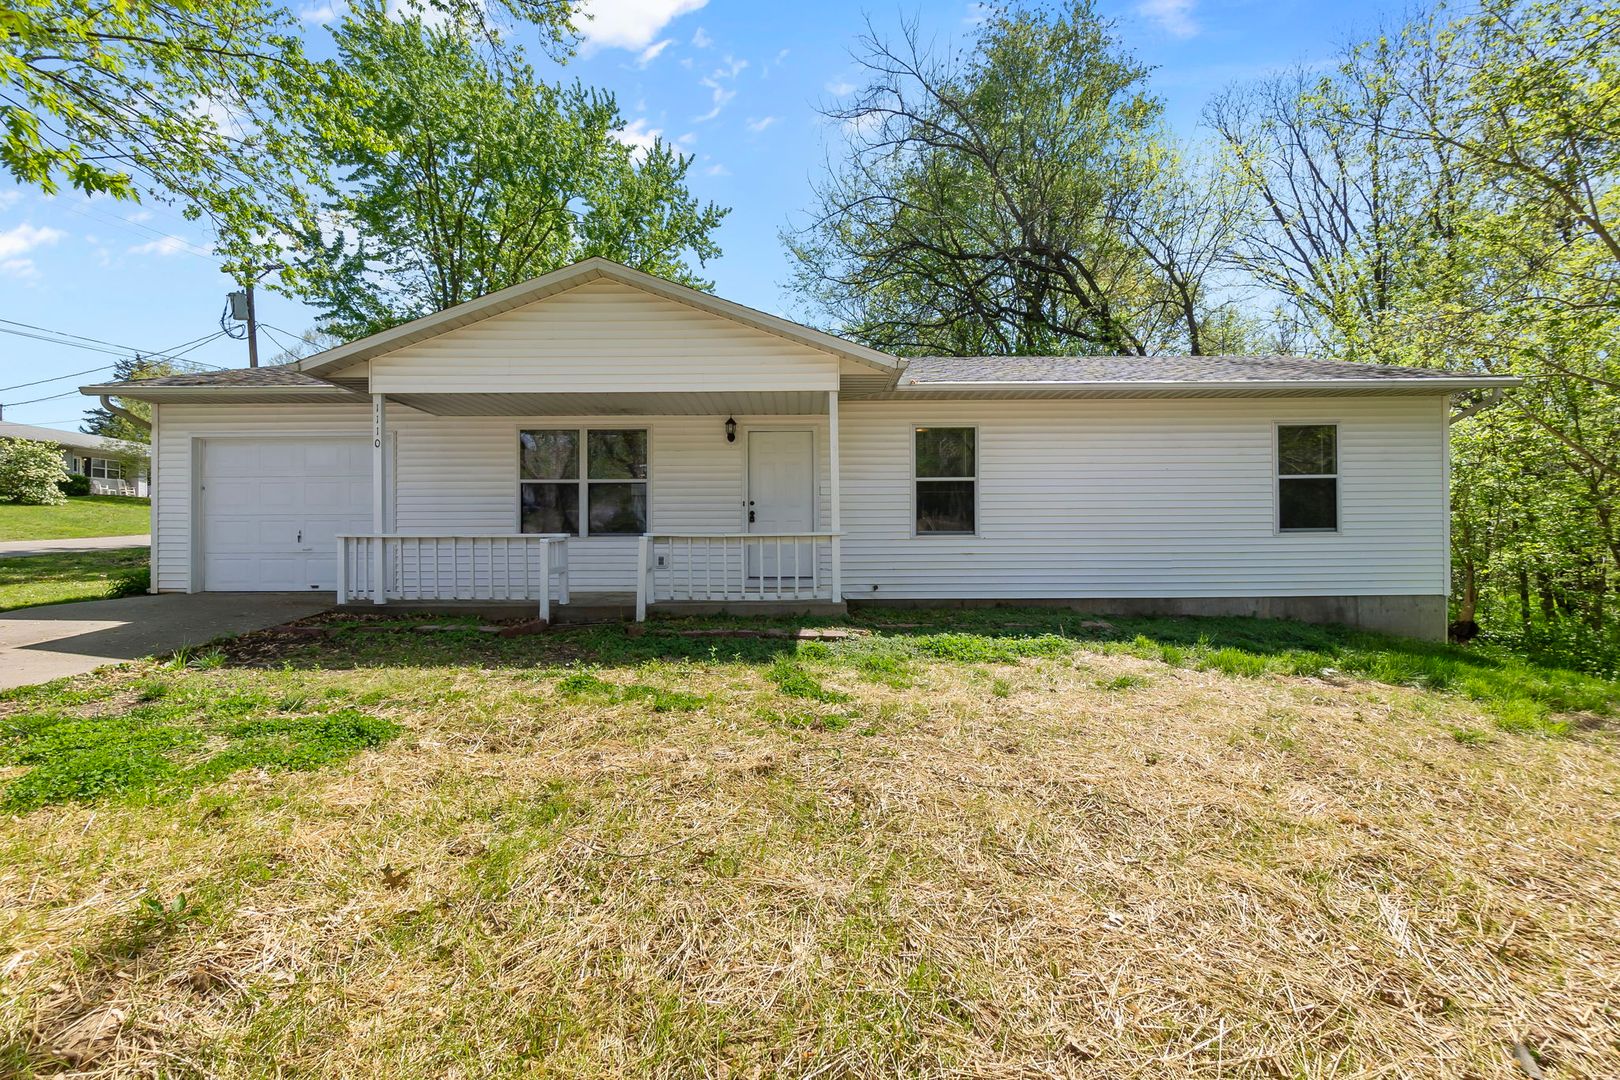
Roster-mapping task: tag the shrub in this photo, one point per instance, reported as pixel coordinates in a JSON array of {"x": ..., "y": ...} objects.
[
  {"x": 136, "y": 581},
  {"x": 30, "y": 472},
  {"x": 75, "y": 485}
]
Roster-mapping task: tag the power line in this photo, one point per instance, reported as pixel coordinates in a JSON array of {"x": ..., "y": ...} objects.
[
  {"x": 111, "y": 348},
  {"x": 57, "y": 378}
]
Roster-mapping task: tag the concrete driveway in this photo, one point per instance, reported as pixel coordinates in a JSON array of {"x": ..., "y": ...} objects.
[
  {"x": 44, "y": 643},
  {"x": 17, "y": 549}
]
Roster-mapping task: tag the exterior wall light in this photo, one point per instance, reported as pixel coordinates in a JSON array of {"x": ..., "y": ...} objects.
[{"x": 731, "y": 429}]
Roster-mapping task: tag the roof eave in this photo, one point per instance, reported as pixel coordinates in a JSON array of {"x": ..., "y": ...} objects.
[
  {"x": 1481, "y": 382},
  {"x": 139, "y": 393}
]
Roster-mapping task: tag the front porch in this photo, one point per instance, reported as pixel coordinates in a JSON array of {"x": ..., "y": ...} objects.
[
  {"x": 677, "y": 574},
  {"x": 651, "y": 504}
]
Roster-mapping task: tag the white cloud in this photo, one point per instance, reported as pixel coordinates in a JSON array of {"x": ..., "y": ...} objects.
[
  {"x": 762, "y": 123},
  {"x": 701, "y": 39},
  {"x": 21, "y": 269},
  {"x": 319, "y": 13},
  {"x": 167, "y": 245},
  {"x": 717, "y": 169},
  {"x": 1174, "y": 17},
  {"x": 719, "y": 95},
  {"x": 629, "y": 24},
  {"x": 650, "y": 53},
  {"x": 638, "y": 137},
  {"x": 841, "y": 87},
  {"x": 25, "y": 238},
  {"x": 976, "y": 14}
]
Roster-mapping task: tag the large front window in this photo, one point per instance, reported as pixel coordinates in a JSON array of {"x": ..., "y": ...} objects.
[
  {"x": 583, "y": 482},
  {"x": 105, "y": 469}
]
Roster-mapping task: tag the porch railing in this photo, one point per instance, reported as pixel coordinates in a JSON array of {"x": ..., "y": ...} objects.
[
  {"x": 717, "y": 567},
  {"x": 512, "y": 566}
]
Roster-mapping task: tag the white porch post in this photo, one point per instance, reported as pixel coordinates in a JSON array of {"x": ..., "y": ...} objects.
[
  {"x": 379, "y": 492},
  {"x": 835, "y": 518}
]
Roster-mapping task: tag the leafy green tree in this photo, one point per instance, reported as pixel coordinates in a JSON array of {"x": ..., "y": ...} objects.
[
  {"x": 1447, "y": 197},
  {"x": 185, "y": 100},
  {"x": 1019, "y": 198},
  {"x": 462, "y": 173},
  {"x": 113, "y": 425}
]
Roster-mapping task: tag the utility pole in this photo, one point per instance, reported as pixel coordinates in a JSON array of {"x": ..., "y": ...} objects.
[{"x": 252, "y": 329}]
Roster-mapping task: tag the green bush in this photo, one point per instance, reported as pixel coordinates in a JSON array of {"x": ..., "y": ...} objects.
[
  {"x": 75, "y": 485},
  {"x": 133, "y": 582},
  {"x": 30, "y": 473}
]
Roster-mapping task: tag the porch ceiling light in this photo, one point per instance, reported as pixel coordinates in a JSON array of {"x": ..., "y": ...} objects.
[{"x": 731, "y": 429}]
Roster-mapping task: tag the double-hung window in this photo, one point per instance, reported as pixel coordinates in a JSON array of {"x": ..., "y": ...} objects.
[
  {"x": 1307, "y": 478},
  {"x": 583, "y": 481},
  {"x": 945, "y": 479},
  {"x": 106, "y": 469}
]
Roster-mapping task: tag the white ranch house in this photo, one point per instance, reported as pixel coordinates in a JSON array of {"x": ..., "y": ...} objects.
[
  {"x": 598, "y": 436},
  {"x": 112, "y": 466}
]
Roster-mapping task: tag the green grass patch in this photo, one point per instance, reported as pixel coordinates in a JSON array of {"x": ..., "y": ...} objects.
[
  {"x": 585, "y": 686},
  {"x": 68, "y": 576},
  {"x": 1122, "y": 682},
  {"x": 793, "y": 680},
  {"x": 169, "y": 744},
  {"x": 82, "y": 515}
]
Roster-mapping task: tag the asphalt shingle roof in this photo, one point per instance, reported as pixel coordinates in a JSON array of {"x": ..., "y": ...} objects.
[
  {"x": 1137, "y": 369},
  {"x": 282, "y": 375}
]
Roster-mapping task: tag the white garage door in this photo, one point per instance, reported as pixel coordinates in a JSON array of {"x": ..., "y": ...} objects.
[{"x": 272, "y": 510}]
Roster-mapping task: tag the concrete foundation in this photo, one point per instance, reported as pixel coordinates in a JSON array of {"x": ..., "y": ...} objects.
[{"x": 1421, "y": 617}]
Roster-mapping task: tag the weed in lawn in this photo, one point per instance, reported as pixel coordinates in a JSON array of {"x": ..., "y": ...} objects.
[
  {"x": 807, "y": 719},
  {"x": 1122, "y": 682},
  {"x": 1000, "y": 688},
  {"x": 1469, "y": 736},
  {"x": 585, "y": 686},
  {"x": 169, "y": 743},
  {"x": 793, "y": 680}
]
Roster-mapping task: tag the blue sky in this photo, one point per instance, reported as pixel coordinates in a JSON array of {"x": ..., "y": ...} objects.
[{"x": 736, "y": 84}]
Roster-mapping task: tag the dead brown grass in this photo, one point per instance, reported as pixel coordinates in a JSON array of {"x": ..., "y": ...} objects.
[{"x": 998, "y": 871}]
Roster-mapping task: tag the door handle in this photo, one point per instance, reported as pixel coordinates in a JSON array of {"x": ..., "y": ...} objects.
[
  {"x": 300, "y": 539},
  {"x": 750, "y": 517}
]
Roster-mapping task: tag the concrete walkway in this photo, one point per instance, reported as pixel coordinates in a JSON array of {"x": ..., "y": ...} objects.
[
  {"x": 44, "y": 643},
  {"x": 17, "y": 549}
]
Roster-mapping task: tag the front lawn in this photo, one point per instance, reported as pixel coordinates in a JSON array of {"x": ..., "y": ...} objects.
[
  {"x": 82, "y": 515},
  {"x": 991, "y": 843},
  {"x": 67, "y": 576}
]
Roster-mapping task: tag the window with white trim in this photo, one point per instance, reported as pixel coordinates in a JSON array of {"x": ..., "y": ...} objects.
[
  {"x": 1307, "y": 478},
  {"x": 583, "y": 481},
  {"x": 105, "y": 469},
  {"x": 945, "y": 480}
]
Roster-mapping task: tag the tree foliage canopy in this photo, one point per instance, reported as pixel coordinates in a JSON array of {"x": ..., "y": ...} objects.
[
  {"x": 462, "y": 173},
  {"x": 1020, "y": 197}
]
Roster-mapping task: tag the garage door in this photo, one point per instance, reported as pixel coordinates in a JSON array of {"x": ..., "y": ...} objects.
[{"x": 272, "y": 510}]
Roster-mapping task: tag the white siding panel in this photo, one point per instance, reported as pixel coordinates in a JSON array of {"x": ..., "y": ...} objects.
[
  {"x": 1076, "y": 498},
  {"x": 604, "y": 337},
  {"x": 461, "y": 474},
  {"x": 1147, "y": 499}
]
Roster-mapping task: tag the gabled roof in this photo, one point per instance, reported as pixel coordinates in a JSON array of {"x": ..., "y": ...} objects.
[
  {"x": 76, "y": 440},
  {"x": 1009, "y": 372},
  {"x": 567, "y": 278}
]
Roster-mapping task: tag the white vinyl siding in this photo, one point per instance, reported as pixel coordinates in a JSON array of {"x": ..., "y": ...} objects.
[
  {"x": 460, "y": 474},
  {"x": 1147, "y": 498},
  {"x": 1117, "y": 498},
  {"x": 604, "y": 337}
]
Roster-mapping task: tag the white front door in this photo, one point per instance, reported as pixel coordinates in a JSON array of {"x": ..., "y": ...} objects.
[
  {"x": 781, "y": 499},
  {"x": 272, "y": 508}
]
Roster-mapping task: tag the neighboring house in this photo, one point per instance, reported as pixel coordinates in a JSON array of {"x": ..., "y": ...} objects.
[
  {"x": 114, "y": 467},
  {"x": 608, "y": 432}
]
